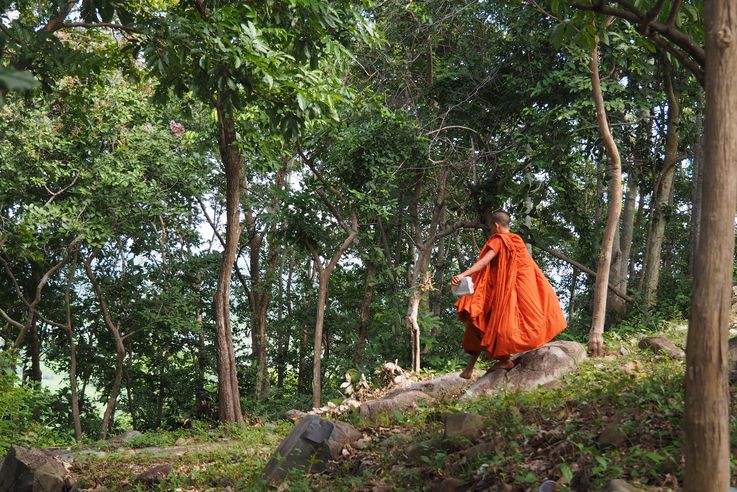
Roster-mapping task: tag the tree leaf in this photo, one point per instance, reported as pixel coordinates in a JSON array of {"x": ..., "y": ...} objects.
[{"x": 14, "y": 80}]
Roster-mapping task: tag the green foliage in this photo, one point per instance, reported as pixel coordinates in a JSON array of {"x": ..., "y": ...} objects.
[{"x": 25, "y": 416}]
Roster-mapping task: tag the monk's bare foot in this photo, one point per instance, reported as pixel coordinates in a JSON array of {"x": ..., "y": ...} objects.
[
  {"x": 505, "y": 364},
  {"x": 466, "y": 373}
]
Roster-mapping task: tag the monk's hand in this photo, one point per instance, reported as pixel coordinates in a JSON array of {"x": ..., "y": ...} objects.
[{"x": 455, "y": 280}]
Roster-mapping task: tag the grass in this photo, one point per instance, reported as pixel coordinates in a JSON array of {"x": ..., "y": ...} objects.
[{"x": 553, "y": 433}]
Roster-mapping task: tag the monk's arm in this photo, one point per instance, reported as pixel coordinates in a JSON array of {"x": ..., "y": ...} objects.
[{"x": 480, "y": 264}]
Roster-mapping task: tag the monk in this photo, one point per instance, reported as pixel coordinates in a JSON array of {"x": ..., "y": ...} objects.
[{"x": 513, "y": 307}]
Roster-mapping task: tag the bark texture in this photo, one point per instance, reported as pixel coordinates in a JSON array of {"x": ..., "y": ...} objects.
[{"x": 706, "y": 447}]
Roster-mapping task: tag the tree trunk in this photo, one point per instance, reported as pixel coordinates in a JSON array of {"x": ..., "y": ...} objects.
[
  {"x": 662, "y": 193},
  {"x": 283, "y": 350},
  {"x": 114, "y": 329},
  {"x": 322, "y": 295},
  {"x": 34, "y": 349},
  {"x": 695, "y": 220},
  {"x": 68, "y": 330},
  {"x": 628, "y": 229},
  {"x": 422, "y": 262},
  {"x": 129, "y": 393},
  {"x": 365, "y": 312},
  {"x": 229, "y": 405},
  {"x": 706, "y": 446},
  {"x": 324, "y": 273},
  {"x": 614, "y": 199},
  {"x": 572, "y": 296},
  {"x": 623, "y": 247}
]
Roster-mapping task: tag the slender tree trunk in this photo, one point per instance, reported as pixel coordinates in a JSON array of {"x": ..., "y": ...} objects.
[
  {"x": 628, "y": 229},
  {"x": 695, "y": 220},
  {"x": 614, "y": 200},
  {"x": 706, "y": 446},
  {"x": 623, "y": 247},
  {"x": 572, "y": 296},
  {"x": 638, "y": 227},
  {"x": 34, "y": 349},
  {"x": 229, "y": 405},
  {"x": 422, "y": 262},
  {"x": 68, "y": 330},
  {"x": 114, "y": 329},
  {"x": 324, "y": 273},
  {"x": 129, "y": 393},
  {"x": 365, "y": 312},
  {"x": 322, "y": 295},
  {"x": 662, "y": 193},
  {"x": 283, "y": 351}
]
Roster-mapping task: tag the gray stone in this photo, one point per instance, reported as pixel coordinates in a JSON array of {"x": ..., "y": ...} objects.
[
  {"x": 153, "y": 476},
  {"x": 468, "y": 425},
  {"x": 621, "y": 486},
  {"x": 294, "y": 414},
  {"x": 662, "y": 345},
  {"x": 123, "y": 438},
  {"x": 424, "y": 448},
  {"x": 372, "y": 409},
  {"x": 32, "y": 470},
  {"x": 613, "y": 435},
  {"x": 537, "y": 367},
  {"x": 548, "y": 486},
  {"x": 308, "y": 447},
  {"x": 441, "y": 387},
  {"x": 449, "y": 485}
]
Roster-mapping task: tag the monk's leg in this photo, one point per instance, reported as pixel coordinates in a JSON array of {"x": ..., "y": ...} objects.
[
  {"x": 468, "y": 371},
  {"x": 472, "y": 346}
]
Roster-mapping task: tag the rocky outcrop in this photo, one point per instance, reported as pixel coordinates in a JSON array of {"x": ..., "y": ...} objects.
[
  {"x": 407, "y": 398},
  {"x": 467, "y": 425},
  {"x": 33, "y": 470},
  {"x": 535, "y": 368},
  {"x": 308, "y": 447},
  {"x": 662, "y": 345}
]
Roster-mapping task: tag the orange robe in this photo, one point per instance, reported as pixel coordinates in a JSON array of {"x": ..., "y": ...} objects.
[{"x": 513, "y": 308}]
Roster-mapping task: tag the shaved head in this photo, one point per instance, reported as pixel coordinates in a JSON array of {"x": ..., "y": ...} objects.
[{"x": 501, "y": 217}]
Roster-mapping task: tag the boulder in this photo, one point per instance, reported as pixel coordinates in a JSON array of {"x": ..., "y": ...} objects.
[
  {"x": 32, "y": 470},
  {"x": 621, "y": 486},
  {"x": 444, "y": 386},
  {"x": 532, "y": 369},
  {"x": 123, "y": 438},
  {"x": 373, "y": 408},
  {"x": 294, "y": 414},
  {"x": 153, "y": 476},
  {"x": 467, "y": 425},
  {"x": 662, "y": 345},
  {"x": 613, "y": 435},
  {"x": 308, "y": 447},
  {"x": 449, "y": 485}
]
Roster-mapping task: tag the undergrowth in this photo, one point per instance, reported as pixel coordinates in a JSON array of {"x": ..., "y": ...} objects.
[{"x": 619, "y": 416}]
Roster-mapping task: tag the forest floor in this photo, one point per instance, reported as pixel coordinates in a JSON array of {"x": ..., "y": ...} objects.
[{"x": 619, "y": 416}]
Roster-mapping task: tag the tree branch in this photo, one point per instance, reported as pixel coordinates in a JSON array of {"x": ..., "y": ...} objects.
[
  {"x": 55, "y": 194},
  {"x": 107, "y": 25},
  {"x": 56, "y": 23},
  {"x": 580, "y": 267}
]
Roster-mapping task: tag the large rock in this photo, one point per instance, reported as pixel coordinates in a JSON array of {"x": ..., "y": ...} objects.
[
  {"x": 662, "y": 345},
  {"x": 468, "y": 425},
  {"x": 373, "y": 408},
  {"x": 153, "y": 476},
  {"x": 123, "y": 438},
  {"x": 308, "y": 447},
  {"x": 621, "y": 486},
  {"x": 444, "y": 386},
  {"x": 32, "y": 470},
  {"x": 532, "y": 369}
]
